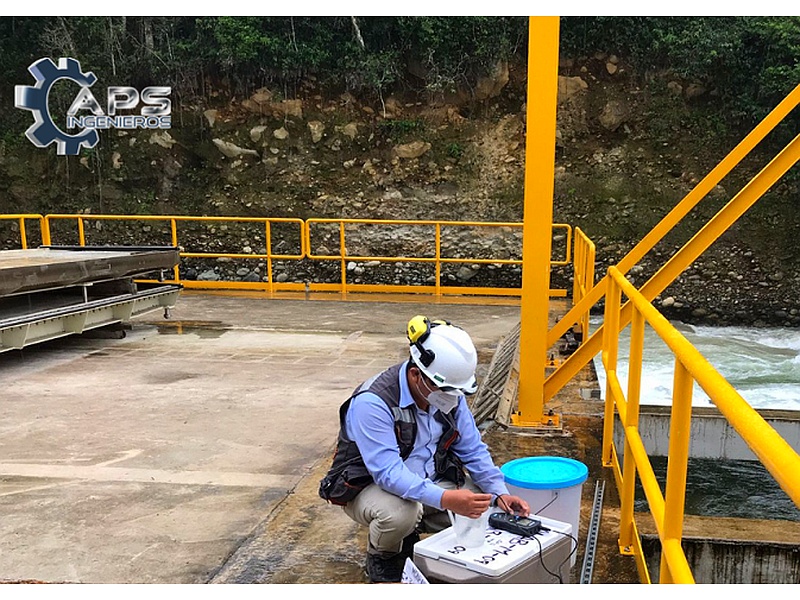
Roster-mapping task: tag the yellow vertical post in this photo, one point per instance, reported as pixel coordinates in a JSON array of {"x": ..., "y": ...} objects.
[
  {"x": 23, "y": 238},
  {"x": 45, "y": 223},
  {"x": 438, "y": 259},
  {"x": 342, "y": 253},
  {"x": 81, "y": 232},
  {"x": 540, "y": 148},
  {"x": 268, "y": 247},
  {"x": 680, "y": 425},
  {"x": 609, "y": 356},
  {"x": 636, "y": 353},
  {"x": 173, "y": 227}
]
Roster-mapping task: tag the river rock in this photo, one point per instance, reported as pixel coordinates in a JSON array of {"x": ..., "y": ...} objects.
[
  {"x": 262, "y": 96},
  {"x": 568, "y": 87},
  {"x": 211, "y": 116},
  {"x": 466, "y": 273},
  {"x": 317, "y": 129},
  {"x": 491, "y": 86},
  {"x": 231, "y": 150},
  {"x": 208, "y": 275},
  {"x": 614, "y": 114},
  {"x": 289, "y": 108},
  {"x": 412, "y": 149},
  {"x": 350, "y": 130},
  {"x": 256, "y": 132},
  {"x": 163, "y": 139}
]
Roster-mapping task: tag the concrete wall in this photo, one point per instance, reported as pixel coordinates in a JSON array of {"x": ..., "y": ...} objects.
[
  {"x": 711, "y": 435},
  {"x": 714, "y": 560},
  {"x": 722, "y": 561}
]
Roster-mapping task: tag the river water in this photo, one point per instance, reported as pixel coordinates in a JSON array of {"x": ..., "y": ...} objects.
[{"x": 763, "y": 365}]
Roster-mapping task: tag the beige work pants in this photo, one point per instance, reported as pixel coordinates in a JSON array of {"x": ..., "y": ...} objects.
[{"x": 391, "y": 518}]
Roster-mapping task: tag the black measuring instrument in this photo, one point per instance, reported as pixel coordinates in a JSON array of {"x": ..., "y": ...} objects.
[{"x": 514, "y": 524}]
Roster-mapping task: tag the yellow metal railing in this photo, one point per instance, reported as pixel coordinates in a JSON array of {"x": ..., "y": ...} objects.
[
  {"x": 720, "y": 223},
  {"x": 583, "y": 275},
  {"x": 667, "y": 510},
  {"x": 435, "y": 243},
  {"x": 778, "y": 457},
  {"x": 261, "y": 233},
  {"x": 22, "y": 224}
]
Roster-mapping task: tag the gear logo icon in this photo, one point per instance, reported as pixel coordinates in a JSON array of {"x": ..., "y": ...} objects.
[{"x": 34, "y": 98}]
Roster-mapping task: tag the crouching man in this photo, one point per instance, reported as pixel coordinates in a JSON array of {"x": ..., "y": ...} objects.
[{"x": 409, "y": 450}]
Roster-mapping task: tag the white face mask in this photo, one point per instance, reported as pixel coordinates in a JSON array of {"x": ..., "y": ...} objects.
[{"x": 444, "y": 401}]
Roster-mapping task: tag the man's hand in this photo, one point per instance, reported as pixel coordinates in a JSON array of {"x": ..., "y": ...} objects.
[
  {"x": 514, "y": 505},
  {"x": 466, "y": 503}
]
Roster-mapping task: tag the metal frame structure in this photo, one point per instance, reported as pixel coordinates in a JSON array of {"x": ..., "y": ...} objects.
[
  {"x": 431, "y": 236},
  {"x": 535, "y": 389},
  {"x": 782, "y": 462},
  {"x": 48, "y": 293}
]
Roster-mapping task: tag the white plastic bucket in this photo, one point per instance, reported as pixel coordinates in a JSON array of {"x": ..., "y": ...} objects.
[{"x": 551, "y": 485}]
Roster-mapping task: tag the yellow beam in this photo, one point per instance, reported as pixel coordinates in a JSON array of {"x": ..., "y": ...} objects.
[
  {"x": 707, "y": 235},
  {"x": 775, "y": 453},
  {"x": 540, "y": 147}
]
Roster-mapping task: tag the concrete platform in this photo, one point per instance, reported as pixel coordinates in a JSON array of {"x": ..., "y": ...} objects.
[{"x": 190, "y": 450}]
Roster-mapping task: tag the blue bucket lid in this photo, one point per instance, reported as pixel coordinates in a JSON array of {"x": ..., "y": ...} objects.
[{"x": 544, "y": 472}]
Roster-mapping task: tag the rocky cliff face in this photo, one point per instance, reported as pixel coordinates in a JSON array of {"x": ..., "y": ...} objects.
[{"x": 625, "y": 156}]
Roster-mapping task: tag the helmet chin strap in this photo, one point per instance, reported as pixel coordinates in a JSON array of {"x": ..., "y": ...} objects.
[{"x": 420, "y": 399}]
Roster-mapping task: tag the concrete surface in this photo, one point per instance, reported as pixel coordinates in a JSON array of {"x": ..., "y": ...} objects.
[
  {"x": 165, "y": 456},
  {"x": 190, "y": 451},
  {"x": 712, "y": 436}
]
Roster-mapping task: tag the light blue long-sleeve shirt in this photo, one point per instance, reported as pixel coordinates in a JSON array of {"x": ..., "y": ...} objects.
[{"x": 369, "y": 423}]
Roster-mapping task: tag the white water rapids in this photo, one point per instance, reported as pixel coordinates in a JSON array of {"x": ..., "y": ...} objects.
[{"x": 762, "y": 364}]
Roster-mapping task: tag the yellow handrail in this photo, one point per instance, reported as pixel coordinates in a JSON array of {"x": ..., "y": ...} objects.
[
  {"x": 782, "y": 462},
  {"x": 583, "y": 280},
  {"x": 721, "y": 222},
  {"x": 22, "y": 224},
  {"x": 432, "y": 246},
  {"x": 441, "y": 232},
  {"x": 269, "y": 256}
]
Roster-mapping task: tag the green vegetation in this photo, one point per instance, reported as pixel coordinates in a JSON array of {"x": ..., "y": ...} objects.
[
  {"x": 750, "y": 63},
  {"x": 455, "y": 150},
  {"x": 746, "y": 64},
  {"x": 398, "y": 128}
]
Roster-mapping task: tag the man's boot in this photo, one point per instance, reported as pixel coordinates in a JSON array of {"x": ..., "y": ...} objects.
[
  {"x": 408, "y": 545},
  {"x": 383, "y": 568},
  {"x": 388, "y": 568}
]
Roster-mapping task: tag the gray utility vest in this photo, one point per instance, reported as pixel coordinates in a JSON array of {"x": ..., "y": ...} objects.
[{"x": 348, "y": 475}]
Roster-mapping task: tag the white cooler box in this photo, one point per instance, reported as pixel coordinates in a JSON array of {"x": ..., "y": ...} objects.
[{"x": 504, "y": 557}]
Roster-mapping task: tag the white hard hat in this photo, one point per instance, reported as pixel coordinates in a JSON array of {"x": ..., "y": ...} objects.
[{"x": 447, "y": 356}]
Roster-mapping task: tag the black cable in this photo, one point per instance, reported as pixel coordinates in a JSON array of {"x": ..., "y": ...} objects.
[
  {"x": 544, "y": 566},
  {"x": 538, "y": 512},
  {"x": 574, "y": 546},
  {"x": 505, "y": 507}
]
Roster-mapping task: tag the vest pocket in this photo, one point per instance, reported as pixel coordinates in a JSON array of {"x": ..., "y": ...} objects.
[{"x": 343, "y": 486}]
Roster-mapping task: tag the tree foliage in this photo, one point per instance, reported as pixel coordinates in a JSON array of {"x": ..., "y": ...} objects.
[{"x": 750, "y": 63}]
